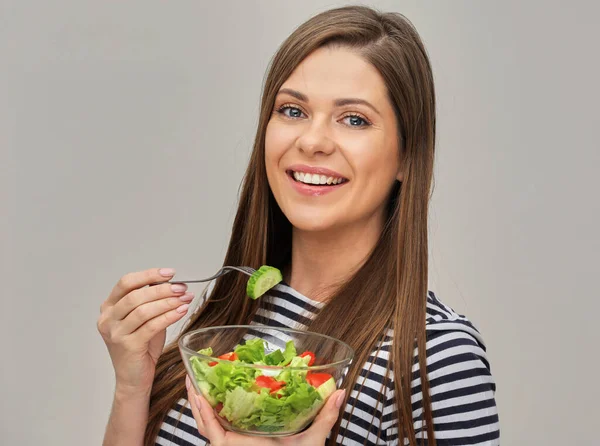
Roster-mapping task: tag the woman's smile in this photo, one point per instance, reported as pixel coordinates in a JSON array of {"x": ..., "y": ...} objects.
[{"x": 314, "y": 181}]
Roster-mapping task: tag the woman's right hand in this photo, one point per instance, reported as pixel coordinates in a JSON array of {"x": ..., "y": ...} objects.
[{"x": 133, "y": 322}]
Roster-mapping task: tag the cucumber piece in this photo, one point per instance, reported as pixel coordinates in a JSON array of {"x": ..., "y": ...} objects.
[
  {"x": 326, "y": 389},
  {"x": 265, "y": 278}
]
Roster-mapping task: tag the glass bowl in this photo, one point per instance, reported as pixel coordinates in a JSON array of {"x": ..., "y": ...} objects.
[{"x": 279, "y": 396}]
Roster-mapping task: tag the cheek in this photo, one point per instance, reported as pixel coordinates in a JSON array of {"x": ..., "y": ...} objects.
[
  {"x": 278, "y": 140},
  {"x": 374, "y": 158},
  {"x": 277, "y": 143},
  {"x": 271, "y": 149},
  {"x": 376, "y": 167}
]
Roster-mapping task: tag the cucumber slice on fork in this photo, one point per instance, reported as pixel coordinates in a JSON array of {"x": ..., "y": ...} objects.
[{"x": 265, "y": 278}]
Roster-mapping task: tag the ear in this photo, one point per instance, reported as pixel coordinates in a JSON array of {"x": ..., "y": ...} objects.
[{"x": 400, "y": 176}]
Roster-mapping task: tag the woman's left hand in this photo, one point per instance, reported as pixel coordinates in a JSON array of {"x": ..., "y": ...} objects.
[{"x": 209, "y": 426}]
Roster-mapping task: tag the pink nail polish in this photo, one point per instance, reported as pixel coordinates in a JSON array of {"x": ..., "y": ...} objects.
[
  {"x": 187, "y": 382},
  {"x": 166, "y": 272},
  {"x": 178, "y": 288},
  {"x": 340, "y": 399},
  {"x": 187, "y": 297},
  {"x": 183, "y": 308}
]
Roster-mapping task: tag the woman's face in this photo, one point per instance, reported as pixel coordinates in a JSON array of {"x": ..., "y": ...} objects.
[{"x": 331, "y": 145}]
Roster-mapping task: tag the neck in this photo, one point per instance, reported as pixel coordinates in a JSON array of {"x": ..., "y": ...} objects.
[{"x": 321, "y": 261}]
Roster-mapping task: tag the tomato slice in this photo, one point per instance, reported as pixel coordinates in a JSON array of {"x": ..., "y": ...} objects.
[
  {"x": 316, "y": 379},
  {"x": 219, "y": 407},
  {"x": 268, "y": 382},
  {"x": 312, "y": 357},
  {"x": 231, "y": 356}
]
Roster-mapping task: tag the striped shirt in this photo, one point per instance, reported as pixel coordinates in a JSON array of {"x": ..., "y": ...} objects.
[{"x": 461, "y": 386}]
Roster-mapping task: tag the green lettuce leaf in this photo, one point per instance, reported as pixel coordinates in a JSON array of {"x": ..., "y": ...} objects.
[
  {"x": 239, "y": 404},
  {"x": 298, "y": 361},
  {"x": 252, "y": 351},
  {"x": 302, "y": 396},
  {"x": 222, "y": 377},
  {"x": 288, "y": 353},
  {"x": 200, "y": 368},
  {"x": 206, "y": 351}
]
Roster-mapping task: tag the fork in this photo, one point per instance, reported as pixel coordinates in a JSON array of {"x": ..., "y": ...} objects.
[{"x": 226, "y": 269}]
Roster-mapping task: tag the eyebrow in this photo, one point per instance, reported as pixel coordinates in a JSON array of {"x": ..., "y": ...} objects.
[{"x": 338, "y": 102}]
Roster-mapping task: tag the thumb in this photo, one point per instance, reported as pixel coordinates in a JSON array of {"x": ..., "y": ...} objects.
[{"x": 329, "y": 414}]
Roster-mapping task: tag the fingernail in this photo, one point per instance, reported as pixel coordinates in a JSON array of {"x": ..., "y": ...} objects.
[
  {"x": 166, "y": 272},
  {"x": 187, "y": 297},
  {"x": 198, "y": 403},
  {"x": 183, "y": 308},
  {"x": 187, "y": 382},
  {"x": 178, "y": 288},
  {"x": 340, "y": 399}
]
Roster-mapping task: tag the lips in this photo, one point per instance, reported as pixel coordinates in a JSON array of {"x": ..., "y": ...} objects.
[{"x": 315, "y": 181}]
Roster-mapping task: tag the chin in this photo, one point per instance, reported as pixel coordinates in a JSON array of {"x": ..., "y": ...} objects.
[{"x": 311, "y": 223}]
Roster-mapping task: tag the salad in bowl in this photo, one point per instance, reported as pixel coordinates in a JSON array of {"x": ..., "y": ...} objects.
[{"x": 270, "y": 383}]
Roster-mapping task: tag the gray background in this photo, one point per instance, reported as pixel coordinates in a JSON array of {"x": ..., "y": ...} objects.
[{"x": 125, "y": 128}]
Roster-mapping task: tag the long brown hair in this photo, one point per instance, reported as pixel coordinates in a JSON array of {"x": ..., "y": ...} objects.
[{"x": 389, "y": 291}]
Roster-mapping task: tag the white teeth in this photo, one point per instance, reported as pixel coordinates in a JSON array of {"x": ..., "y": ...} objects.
[{"x": 308, "y": 178}]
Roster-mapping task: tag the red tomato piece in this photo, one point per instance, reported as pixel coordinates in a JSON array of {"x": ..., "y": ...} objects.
[
  {"x": 268, "y": 382},
  {"x": 312, "y": 357},
  {"x": 219, "y": 407},
  {"x": 316, "y": 379},
  {"x": 231, "y": 356}
]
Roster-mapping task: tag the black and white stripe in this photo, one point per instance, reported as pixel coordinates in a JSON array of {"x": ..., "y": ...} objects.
[{"x": 462, "y": 387}]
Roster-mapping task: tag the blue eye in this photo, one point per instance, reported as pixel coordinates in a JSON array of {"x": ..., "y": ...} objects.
[
  {"x": 356, "y": 121},
  {"x": 290, "y": 112}
]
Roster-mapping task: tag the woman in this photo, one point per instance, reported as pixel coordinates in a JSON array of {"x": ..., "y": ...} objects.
[{"x": 336, "y": 196}]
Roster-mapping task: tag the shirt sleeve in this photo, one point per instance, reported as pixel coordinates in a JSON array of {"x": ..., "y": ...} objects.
[{"x": 462, "y": 392}]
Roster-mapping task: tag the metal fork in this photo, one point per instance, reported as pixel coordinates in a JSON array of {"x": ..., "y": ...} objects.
[{"x": 226, "y": 269}]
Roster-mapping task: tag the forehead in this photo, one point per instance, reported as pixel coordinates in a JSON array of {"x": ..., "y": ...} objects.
[{"x": 337, "y": 72}]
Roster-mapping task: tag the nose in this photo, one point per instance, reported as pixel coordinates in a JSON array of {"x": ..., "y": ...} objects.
[{"x": 315, "y": 140}]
